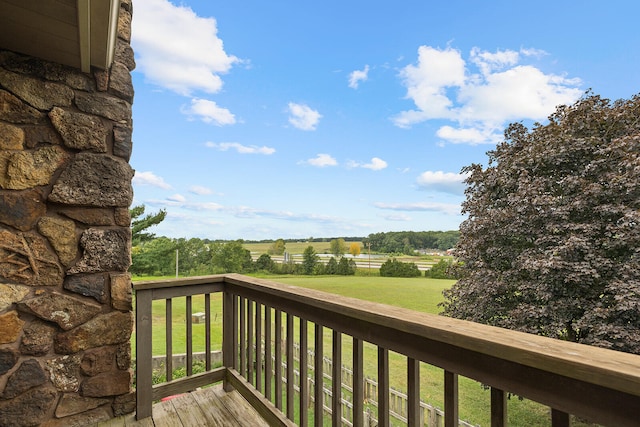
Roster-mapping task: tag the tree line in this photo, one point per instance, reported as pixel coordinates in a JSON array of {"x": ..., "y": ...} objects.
[
  {"x": 408, "y": 242},
  {"x": 157, "y": 256}
]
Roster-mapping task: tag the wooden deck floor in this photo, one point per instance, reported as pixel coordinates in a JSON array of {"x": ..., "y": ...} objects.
[{"x": 210, "y": 406}]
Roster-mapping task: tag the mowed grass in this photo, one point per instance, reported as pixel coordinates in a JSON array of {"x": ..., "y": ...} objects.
[
  {"x": 419, "y": 294},
  {"x": 416, "y": 293}
]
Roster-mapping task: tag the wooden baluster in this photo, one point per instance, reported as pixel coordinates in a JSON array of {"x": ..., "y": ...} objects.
[
  {"x": 259, "y": 360},
  {"x": 357, "y": 383},
  {"x": 318, "y": 392},
  {"x": 383, "y": 387},
  {"x": 559, "y": 418},
  {"x": 290, "y": 365},
  {"x": 450, "y": 399},
  {"x": 144, "y": 371},
  {"x": 243, "y": 337},
  {"x": 207, "y": 331},
  {"x": 278, "y": 361},
  {"x": 413, "y": 392},
  {"x": 250, "y": 339},
  {"x": 304, "y": 383},
  {"x": 498, "y": 408},
  {"x": 168, "y": 318},
  {"x": 189, "y": 336},
  {"x": 229, "y": 334},
  {"x": 268, "y": 363},
  {"x": 336, "y": 379}
]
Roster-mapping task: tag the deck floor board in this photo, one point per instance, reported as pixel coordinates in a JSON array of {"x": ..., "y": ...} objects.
[{"x": 210, "y": 407}]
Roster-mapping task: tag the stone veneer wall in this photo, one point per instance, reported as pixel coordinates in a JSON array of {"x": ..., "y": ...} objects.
[{"x": 65, "y": 190}]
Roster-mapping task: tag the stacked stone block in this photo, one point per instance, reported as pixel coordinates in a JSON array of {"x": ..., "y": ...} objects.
[{"x": 65, "y": 190}]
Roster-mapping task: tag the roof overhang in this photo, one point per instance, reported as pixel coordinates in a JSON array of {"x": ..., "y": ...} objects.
[{"x": 78, "y": 33}]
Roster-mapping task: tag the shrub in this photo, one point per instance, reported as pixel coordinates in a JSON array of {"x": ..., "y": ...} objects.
[{"x": 395, "y": 268}]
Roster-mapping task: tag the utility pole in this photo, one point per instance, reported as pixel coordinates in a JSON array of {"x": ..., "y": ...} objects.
[{"x": 176, "y": 263}]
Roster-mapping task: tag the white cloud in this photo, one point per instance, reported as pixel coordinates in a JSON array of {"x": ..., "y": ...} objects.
[
  {"x": 397, "y": 217},
  {"x": 177, "y": 202},
  {"x": 303, "y": 117},
  {"x": 446, "y": 182},
  {"x": 209, "y": 112},
  {"x": 322, "y": 160},
  {"x": 200, "y": 190},
  {"x": 149, "y": 178},
  {"x": 357, "y": 76},
  {"x": 242, "y": 149},
  {"x": 447, "y": 208},
  {"x": 442, "y": 85},
  {"x": 376, "y": 164},
  {"x": 472, "y": 136},
  {"x": 177, "y": 49},
  {"x": 488, "y": 61},
  {"x": 177, "y": 198}
]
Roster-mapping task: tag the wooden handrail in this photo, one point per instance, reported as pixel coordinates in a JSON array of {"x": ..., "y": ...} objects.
[{"x": 594, "y": 383}]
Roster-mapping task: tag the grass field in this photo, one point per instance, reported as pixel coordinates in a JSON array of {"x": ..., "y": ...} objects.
[
  {"x": 294, "y": 247},
  {"x": 420, "y": 294}
]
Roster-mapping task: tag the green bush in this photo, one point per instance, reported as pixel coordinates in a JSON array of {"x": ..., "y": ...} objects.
[
  {"x": 444, "y": 269},
  {"x": 394, "y": 268}
]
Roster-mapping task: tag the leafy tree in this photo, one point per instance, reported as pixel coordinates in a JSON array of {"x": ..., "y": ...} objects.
[
  {"x": 444, "y": 269},
  {"x": 409, "y": 241},
  {"x": 338, "y": 247},
  {"x": 194, "y": 256},
  {"x": 264, "y": 262},
  {"x": 551, "y": 242},
  {"x": 354, "y": 249},
  {"x": 277, "y": 248},
  {"x": 332, "y": 266},
  {"x": 346, "y": 267},
  {"x": 139, "y": 225},
  {"x": 155, "y": 257},
  {"x": 231, "y": 257},
  {"x": 394, "y": 268},
  {"x": 309, "y": 260}
]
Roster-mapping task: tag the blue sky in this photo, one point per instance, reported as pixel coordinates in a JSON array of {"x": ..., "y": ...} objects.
[{"x": 290, "y": 119}]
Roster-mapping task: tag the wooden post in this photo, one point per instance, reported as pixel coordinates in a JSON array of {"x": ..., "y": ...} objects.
[
  {"x": 498, "y": 408},
  {"x": 383, "y": 387},
  {"x": 143, "y": 353},
  {"x": 278, "y": 361},
  {"x": 357, "y": 383},
  {"x": 168, "y": 339},
  {"x": 189, "y": 343},
  {"x": 207, "y": 331},
  {"x": 259, "y": 359},
  {"x": 243, "y": 337},
  {"x": 290, "y": 366},
  {"x": 318, "y": 411},
  {"x": 413, "y": 392},
  {"x": 450, "y": 399},
  {"x": 268, "y": 363},
  {"x": 304, "y": 383},
  {"x": 336, "y": 380},
  {"x": 229, "y": 334},
  {"x": 250, "y": 340},
  {"x": 559, "y": 418}
]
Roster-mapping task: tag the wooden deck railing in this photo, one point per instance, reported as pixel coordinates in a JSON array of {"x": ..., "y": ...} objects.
[{"x": 592, "y": 383}]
